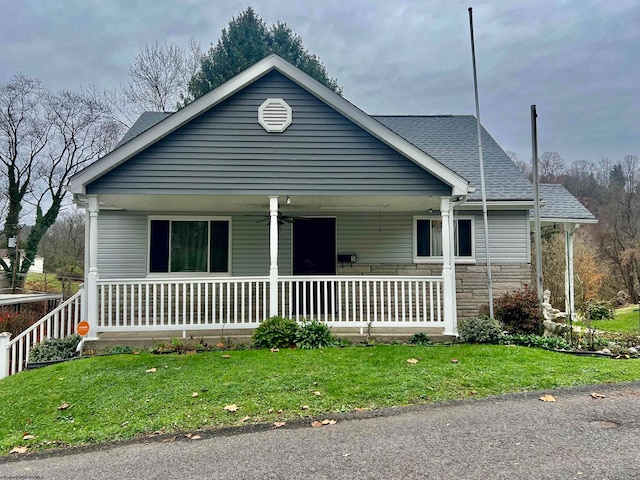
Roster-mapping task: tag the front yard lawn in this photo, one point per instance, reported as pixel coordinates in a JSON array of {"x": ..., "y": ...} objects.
[
  {"x": 626, "y": 321},
  {"x": 120, "y": 396}
]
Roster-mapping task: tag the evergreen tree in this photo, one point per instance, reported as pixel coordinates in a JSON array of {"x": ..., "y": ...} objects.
[{"x": 247, "y": 40}]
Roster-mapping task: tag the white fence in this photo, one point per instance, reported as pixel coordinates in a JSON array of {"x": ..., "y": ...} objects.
[
  {"x": 243, "y": 302},
  {"x": 59, "y": 323}
]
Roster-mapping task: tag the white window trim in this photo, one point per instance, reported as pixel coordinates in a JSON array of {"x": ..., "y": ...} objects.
[
  {"x": 439, "y": 259},
  {"x": 188, "y": 274}
]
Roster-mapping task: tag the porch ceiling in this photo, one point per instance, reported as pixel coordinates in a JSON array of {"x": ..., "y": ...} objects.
[{"x": 253, "y": 203}]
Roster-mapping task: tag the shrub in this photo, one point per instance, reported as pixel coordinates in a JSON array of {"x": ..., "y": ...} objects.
[
  {"x": 55, "y": 349},
  {"x": 117, "y": 349},
  {"x": 597, "y": 310},
  {"x": 16, "y": 323},
  {"x": 276, "y": 332},
  {"x": 314, "y": 335},
  {"x": 420, "y": 338},
  {"x": 533, "y": 340},
  {"x": 519, "y": 311},
  {"x": 480, "y": 329}
]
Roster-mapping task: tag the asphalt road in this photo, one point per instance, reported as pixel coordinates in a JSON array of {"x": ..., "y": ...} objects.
[{"x": 510, "y": 437}]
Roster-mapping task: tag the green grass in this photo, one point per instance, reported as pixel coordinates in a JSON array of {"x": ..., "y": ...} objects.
[
  {"x": 47, "y": 282},
  {"x": 113, "y": 397},
  {"x": 626, "y": 321}
]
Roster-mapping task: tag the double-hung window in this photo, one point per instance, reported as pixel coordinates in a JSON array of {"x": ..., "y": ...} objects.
[
  {"x": 427, "y": 238},
  {"x": 189, "y": 245}
]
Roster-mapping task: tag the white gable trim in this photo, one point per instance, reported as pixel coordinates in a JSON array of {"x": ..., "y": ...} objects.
[{"x": 79, "y": 181}]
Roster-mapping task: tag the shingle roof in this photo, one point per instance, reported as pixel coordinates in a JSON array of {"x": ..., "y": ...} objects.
[
  {"x": 453, "y": 140},
  {"x": 558, "y": 203},
  {"x": 143, "y": 123}
]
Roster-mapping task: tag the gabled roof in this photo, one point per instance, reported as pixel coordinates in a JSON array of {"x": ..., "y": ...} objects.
[
  {"x": 559, "y": 206},
  {"x": 172, "y": 122},
  {"x": 453, "y": 140}
]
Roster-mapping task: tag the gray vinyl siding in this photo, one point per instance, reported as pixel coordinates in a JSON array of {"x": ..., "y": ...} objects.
[
  {"x": 374, "y": 238},
  {"x": 122, "y": 245},
  {"x": 508, "y": 237},
  {"x": 226, "y": 151}
]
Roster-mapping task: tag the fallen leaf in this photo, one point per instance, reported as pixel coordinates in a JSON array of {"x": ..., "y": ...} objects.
[
  {"x": 548, "y": 398},
  {"x": 124, "y": 424},
  {"x": 158, "y": 432},
  {"x": 473, "y": 392},
  {"x": 326, "y": 421},
  {"x": 28, "y": 436},
  {"x": 413, "y": 361},
  {"x": 358, "y": 409},
  {"x": 225, "y": 356},
  {"x": 317, "y": 393},
  {"x": 316, "y": 424},
  {"x": 454, "y": 360},
  {"x": 167, "y": 440},
  {"x": 220, "y": 345},
  {"x": 231, "y": 408},
  {"x": 196, "y": 437},
  {"x": 61, "y": 378},
  {"x": 273, "y": 350},
  {"x": 270, "y": 410},
  {"x": 22, "y": 449},
  {"x": 245, "y": 419},
  {"x": 280, "y": 411},
  {"x": 191, "y": 352},
  {"x": 194, "y": 394},
  {"x": 598, "y": 395},
  {"x": 189, "y": 435},
  {"x": 64, "y": 406},
  {"x": 305, "y": 407},
  {"x": 136, "y": 353},
  {"x": 279, "y": 424},
  {"x": 151, "y": 370}
]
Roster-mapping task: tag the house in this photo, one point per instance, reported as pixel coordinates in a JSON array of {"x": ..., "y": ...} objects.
[
  {"x": 272, "y": 195},
  {"x": 36, "y": 267}
]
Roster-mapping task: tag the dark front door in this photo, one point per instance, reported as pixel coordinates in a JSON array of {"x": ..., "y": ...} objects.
[
  {"x": 314, "y": 253},
  {"x": 314, "y": 246}
]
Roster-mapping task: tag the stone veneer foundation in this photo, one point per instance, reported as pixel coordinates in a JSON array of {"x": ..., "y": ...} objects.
[{"x": 471, "y": 280}]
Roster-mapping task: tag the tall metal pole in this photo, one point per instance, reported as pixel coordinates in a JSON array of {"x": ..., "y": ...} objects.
[
  {"x": 536, "y": 199},
  {"x": 482, "y": 187}
]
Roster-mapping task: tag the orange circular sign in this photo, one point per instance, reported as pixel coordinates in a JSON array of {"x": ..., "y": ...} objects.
[{"x": 83, "y": 328}]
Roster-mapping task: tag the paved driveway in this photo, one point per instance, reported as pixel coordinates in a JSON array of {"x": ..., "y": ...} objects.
[{"x": 510, "y": 437}]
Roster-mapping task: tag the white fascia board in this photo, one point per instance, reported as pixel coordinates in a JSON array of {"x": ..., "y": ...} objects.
[
  {"x": 78, "y": 182},
  {"x": 500, "y": 205},
  {"x": 567, "y": 220}
]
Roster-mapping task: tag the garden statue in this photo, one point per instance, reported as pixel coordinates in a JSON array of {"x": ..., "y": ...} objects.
[{"x": 550, "y": 314}]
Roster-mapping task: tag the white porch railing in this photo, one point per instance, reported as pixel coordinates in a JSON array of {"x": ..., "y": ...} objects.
[
  {"x": 243, "y": 302},
  {"x": 174, "y": 304},
  {"x": 59, "y": 323},
  {"x": 355, "y": 301}
]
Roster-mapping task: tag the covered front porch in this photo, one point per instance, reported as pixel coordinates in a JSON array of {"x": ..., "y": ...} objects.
[{"x": 342, "y": 294}]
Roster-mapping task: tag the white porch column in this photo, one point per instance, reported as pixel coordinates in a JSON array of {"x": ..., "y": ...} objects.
[
  {"x": 4, "y": 354},
  {"x": 91, "y": 288},
  {"x": 569, "y": 287},
  {"x": 448, "y": 306},
  {"x": 273, "y": 250},
  {"x": 83, "y": 299}
]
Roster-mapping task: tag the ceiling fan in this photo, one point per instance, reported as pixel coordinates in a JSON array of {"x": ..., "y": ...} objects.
[{"x": 282, "y": 219}]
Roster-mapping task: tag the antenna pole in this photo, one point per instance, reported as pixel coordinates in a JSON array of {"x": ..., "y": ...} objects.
[{"x": 482, "y": 186}]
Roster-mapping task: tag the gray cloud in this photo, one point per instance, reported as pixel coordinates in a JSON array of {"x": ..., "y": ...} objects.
[{"x": 577, "y": 61}]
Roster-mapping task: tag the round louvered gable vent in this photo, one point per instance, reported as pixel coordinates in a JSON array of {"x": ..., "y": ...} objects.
[{"x": 274, "y": 115}]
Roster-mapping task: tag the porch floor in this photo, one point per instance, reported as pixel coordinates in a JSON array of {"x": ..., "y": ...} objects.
[{"x": 146, "y": 339}]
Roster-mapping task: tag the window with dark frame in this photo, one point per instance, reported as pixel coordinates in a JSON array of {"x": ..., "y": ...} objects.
[
  {"x": 181, "y": 246},
  {"x": 429, "y": 238}
]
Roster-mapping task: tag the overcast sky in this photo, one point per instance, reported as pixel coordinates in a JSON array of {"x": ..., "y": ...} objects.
[{"x": 578, "y": 61}]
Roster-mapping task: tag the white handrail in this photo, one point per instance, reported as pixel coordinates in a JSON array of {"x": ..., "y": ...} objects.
[{"x": 60, "y": 322}]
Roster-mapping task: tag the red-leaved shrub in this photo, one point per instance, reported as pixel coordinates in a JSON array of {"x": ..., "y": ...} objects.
[{"x": 518, "y": 311}]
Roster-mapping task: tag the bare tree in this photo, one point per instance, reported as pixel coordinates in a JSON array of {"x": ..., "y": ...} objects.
[
  {"x": 44, "y": 139},
  {"x": 159, "y": 76},
  {"x": 551, "y": 167}
]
